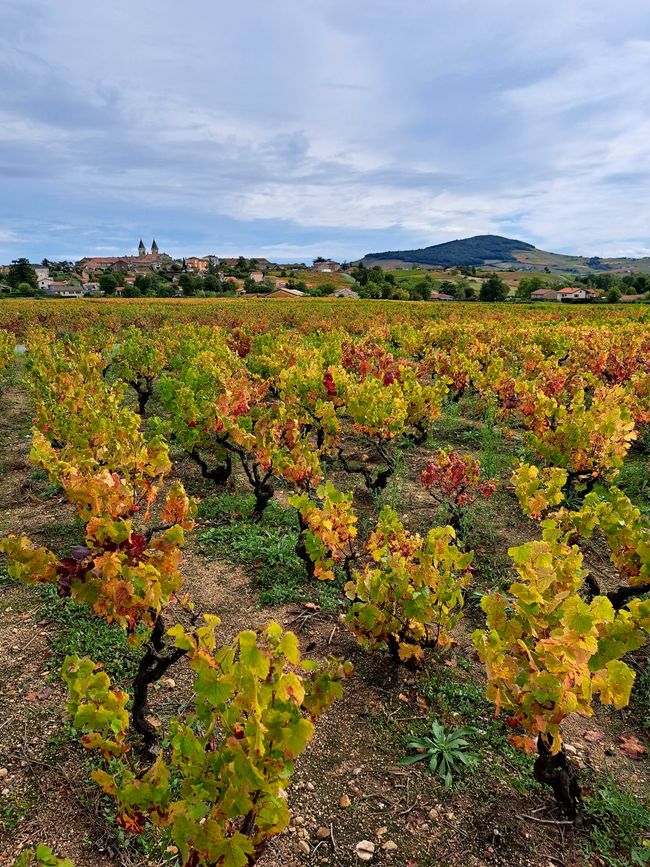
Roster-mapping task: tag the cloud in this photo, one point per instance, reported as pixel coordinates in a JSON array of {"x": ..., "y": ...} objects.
[{"x": 322, "y": 128}]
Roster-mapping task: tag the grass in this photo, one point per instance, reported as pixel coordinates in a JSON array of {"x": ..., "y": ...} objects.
[
  {"x": 60, "y": 536},
  {"x": 83, "y": 633},
  {"x": 634, "y": 480},
  {"x": 617, "y": 825},
  {"x": 266, "y": 545},
  {"x": 455, "y": 694}
]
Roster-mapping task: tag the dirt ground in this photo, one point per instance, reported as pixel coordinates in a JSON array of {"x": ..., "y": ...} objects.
[{"x": 348, "y": 786}]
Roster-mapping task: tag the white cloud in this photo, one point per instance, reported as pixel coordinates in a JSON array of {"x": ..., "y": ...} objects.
[{"x": 297, "y": 124}]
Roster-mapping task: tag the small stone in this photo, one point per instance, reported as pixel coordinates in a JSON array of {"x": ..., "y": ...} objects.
[
  {"x": 357, "y": 771},
  {"x": 310, "y": 787},
  {"x": 569, "y": 748},
  {"x": 169, "y": 682},
  {"x": 5, "y": 792},
  {"x": 381, "y": 831},
  {"x": 304, "y": 847},
  {"x": 389, "y": 846},
  {"x": 365, "y": 850},
  {"x": 299, "y": 820},
  {"x": 323, "y": 833},
  {"x": 451, "y": 816},
  {"x": 434, "y": 814},
  {"x": 3, "y": 773},
  {"x": 345, "y": 802}
]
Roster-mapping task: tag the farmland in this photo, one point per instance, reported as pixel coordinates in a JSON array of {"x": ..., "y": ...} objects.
[{"x": 262, "y": 559}]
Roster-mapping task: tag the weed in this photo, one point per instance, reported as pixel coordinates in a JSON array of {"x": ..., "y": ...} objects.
[
  {"x": 634, "y": 480},
  {"x": 618, "y": 825},
  {"x": 60, "y": 536},
  {"x": 85, "y": 634},
  {"x": 267, "y": 545},
  {"x": 456, "y": 697},
  {"x": 445, "y": 751}
]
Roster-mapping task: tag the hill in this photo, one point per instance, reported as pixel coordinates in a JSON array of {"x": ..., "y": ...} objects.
[
  {"x": 470, "y": 251},
  {"x": 495, "y": 251}
]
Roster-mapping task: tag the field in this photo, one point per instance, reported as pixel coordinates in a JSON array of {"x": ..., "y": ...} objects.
[{"x": 447, "y": 506}]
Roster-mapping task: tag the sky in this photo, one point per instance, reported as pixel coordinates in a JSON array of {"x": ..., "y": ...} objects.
[{"x": 297, "y": 128}]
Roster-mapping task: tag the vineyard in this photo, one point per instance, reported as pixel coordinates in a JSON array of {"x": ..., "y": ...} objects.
[{"x": 324, "y": 583}]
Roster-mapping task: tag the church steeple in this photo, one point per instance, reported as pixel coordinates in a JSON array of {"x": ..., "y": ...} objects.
[
  {"x": 154, "y": 248},
  {"x": 141, "y": 248}
]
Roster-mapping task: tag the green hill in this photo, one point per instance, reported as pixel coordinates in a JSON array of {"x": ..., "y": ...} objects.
[
  {"x": 495, "y": 251},
  {"x": 470, "y": 251}
]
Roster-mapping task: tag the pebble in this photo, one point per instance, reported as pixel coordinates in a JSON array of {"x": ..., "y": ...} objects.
[
  {"x": 389, "y": 846},
  {"x": 304, "y": 847},
  {"x": 3, "y": 773},
  {"x": 365, "y": 850},
  {"x": 310, "y": 787},
  {"x": 345, "y": 802},
  {"x": 323, "y": 833},
  {"x": 433, "y": 814}
]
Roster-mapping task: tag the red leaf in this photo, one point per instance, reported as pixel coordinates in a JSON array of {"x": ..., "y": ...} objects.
[{"x": 594, "y": 737}]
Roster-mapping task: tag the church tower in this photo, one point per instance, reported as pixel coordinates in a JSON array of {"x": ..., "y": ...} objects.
[
  {"x": 141, "y": 249},
  {"x": 154, "y": 248}
]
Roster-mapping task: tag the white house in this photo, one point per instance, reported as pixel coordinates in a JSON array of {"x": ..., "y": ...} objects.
[
  {"x": 576, "y": 293},
  {"x": 65, "y": 290},
  {"x": 42, "y": 275}
]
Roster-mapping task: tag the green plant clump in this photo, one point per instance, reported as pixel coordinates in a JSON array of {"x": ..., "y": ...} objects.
[{"x": 445, "y": 751}]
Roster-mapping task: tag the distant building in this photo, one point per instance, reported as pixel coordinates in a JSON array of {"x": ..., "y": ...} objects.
[
  {"x": 326, "y": 266},
  {"x": 143, "y": 263},
  {"x": 544, "y": 295},
  {"x": 577, "y": 293},
  {"x": 257, "y": 276},
  {"x": 194, "y": 263},
  {"x": 42, "y": 275},
  {"x": 441, "y": 296},
  {"x": 344, "y": 292},
  {"x": 65, "y": 290}
]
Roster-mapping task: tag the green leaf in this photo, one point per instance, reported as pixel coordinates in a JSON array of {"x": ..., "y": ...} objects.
[{"x": 251, "y": 656}]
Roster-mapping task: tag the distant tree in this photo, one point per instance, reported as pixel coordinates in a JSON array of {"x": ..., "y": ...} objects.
[
  {"x": 421, "y": 291},
  {"x": 165, "y": 289},
  {"x": 211, "y": 283},
  {"x": 603, "y": 281},
  {"x": 613, "y": 295},
  {"x": 20, "y": 271},
  {"x": 25, "y": 289},
  {"x": 189, "y": 284},
  {"x": 131, "y": 291},
  {"x": 528, "y": 285},
  {"x": 493, "y": 289},
  {"x": 399, "y": 294},
  {"x": 143, "y": 282},
  {"x": 250, "y": 285},
  {"x": 108, "y": 283},
  {"x": 322, "y": 290}
]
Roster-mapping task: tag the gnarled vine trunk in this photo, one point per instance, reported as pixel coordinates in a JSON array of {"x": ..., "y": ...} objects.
[
  {"x": 557, "y": 772},
  {"x": 153, "y": 666}
]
